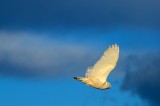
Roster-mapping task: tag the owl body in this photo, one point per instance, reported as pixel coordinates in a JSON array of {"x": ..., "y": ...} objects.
[{"x": 95, "y": 83}]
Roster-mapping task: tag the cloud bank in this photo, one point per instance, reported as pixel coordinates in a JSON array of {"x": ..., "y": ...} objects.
[
  {"x": 97, "y": 13},
  {"x": 22, "y": 54}
]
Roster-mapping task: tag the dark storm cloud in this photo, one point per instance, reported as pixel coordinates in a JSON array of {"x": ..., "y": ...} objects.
[
  {"x": 78, "y": 13},
  {"x": 143, "y": 77},
  {"x": 22, "y": 54}
]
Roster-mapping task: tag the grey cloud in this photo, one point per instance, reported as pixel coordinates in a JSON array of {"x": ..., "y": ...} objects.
[
  {"x": 142, "y": 77},
  {"x": 22, "y": 54}
]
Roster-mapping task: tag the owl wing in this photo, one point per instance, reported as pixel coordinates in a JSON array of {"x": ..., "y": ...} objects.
[{"x": 105, "y": 65}]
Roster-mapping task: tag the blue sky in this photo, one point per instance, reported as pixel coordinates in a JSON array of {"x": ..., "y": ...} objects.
[{"x": 43, "y": 44}]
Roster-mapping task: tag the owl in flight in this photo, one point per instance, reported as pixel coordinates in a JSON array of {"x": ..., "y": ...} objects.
[{"x": 96, "y": 75}]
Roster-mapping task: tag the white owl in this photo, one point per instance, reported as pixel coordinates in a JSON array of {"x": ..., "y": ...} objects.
[{"x": 96, "y": 76}]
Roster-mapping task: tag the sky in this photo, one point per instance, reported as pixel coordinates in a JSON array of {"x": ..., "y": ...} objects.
[{"x": 45, "y": 43}]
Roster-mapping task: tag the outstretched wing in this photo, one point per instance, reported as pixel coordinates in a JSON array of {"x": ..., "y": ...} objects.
[{"x": 105, "y": 65}]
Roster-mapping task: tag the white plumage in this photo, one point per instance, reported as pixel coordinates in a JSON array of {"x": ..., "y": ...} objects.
[{"x": 96, "y": 76}]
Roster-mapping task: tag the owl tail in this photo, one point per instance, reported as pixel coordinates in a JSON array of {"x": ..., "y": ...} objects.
[{"x": 78, "y": 78}]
